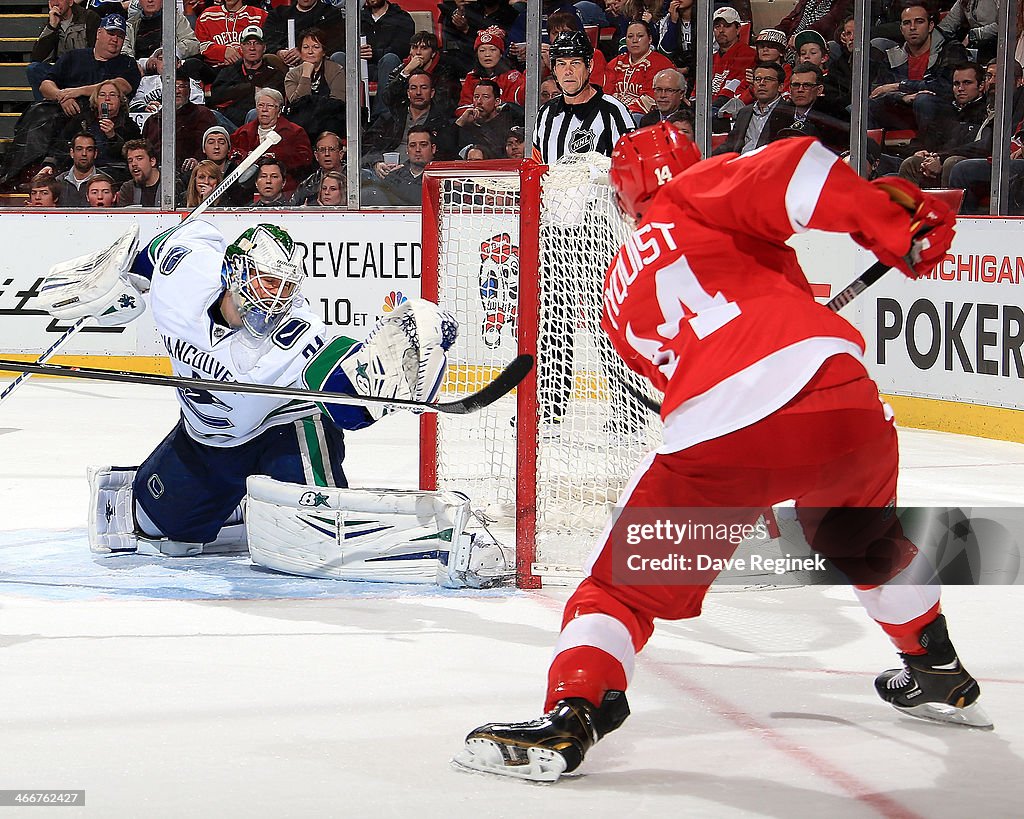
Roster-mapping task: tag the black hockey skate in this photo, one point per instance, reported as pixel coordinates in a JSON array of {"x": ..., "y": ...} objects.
[
  {"x": 543, "y": 749},
  {"x": 934, "y": 685}
]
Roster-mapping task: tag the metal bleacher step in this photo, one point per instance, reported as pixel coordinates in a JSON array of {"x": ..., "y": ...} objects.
[
  {"x": 21, "y": 27},
  {"x": 7, "y": 122},
  {"x": 13, "y": 75}
]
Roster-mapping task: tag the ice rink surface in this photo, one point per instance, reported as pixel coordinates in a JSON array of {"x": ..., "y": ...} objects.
[{"x": 204, "y": 687}]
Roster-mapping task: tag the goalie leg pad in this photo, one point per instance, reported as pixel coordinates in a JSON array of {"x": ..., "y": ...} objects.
[
  {"x": 114, "y": 522},
  {"x": 111, "y": 510},
  {"x": 375, "y": 535}
]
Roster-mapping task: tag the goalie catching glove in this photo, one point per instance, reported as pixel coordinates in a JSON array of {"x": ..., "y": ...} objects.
[
  {"x": 404, "y": 357},
  {"x": 931, "y": 227},
  {"x": 98, "y": 285}
]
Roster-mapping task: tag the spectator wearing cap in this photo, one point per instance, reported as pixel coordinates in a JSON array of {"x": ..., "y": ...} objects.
[
  {"x": 270, "y": 181},
  {"x": 220, "y": 29},
  {"x": 732, "y": 59},
  {"x": 68, "y": 26},
  {"x": 489, "y": 120},
  {"x": 669, "y": 93},
  {"x": 771, "y": 46},
  {"x": 812, "y": 48},
  {"x": 78, "y": 73},
  {"x": 490, "y": 65},
  {"x": 143, "y": 35},
  {"x": 758, "y": 123},
  {"x": 389, "y": 132},
  {"x": 630, "y": 76},
  {"x": 515, "y": 143},
  {"x": 329, "y": 153},
  {"x": 293, "y": 150},
  {"x": 234, "y": 91},
  {"x": 306, "y": 14},
  {"x": 821, "y": 15},
  {"x": 425, "y": 55},
  {"x": 149, "y": 96},
  {"x": 191, "y": 122},
  {"x": 462, "y": 19},
  {"x": 217, "y": 150}
]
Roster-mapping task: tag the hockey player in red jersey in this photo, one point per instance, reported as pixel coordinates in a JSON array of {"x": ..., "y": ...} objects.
[{"x": 766, "y": 399}]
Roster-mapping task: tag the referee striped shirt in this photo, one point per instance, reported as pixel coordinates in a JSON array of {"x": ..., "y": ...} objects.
[{"x": 595, "y": 125}]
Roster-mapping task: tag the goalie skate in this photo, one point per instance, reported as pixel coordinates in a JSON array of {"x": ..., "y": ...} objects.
[{"x": 934, "y": 685}]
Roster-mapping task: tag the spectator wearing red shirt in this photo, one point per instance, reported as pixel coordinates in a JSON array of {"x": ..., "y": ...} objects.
[
  {"x": 489, "y": 46},
  {"x": 630, "y": 76},
  {"x": 731, "y": 61},
  {"x": 219, "y": 31},
  {"x": 293, "y": 149}
]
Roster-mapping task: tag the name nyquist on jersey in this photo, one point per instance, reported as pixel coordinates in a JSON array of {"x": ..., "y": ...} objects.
[
  {"x": 186, "y": 283},
  {"x": 694, "y": 298}
]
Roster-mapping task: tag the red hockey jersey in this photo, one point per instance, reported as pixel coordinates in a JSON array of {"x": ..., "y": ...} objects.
[
  {"x": 709, "y": 303},
  {"x": 629, "y": 81},
  {"x": 729, "y": 70},
  {"x": 217, "y": 27},
  {"x": 512, "y": 85}
]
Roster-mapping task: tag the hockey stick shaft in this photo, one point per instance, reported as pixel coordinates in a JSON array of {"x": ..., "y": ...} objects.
[
  {"x": 835, "y": 304},
  {"x": 503, "y": 384},
  {"x": 45, "y": 356},
  {"x": 254, "y": 156},
  {"x": 269, "y": 142}
]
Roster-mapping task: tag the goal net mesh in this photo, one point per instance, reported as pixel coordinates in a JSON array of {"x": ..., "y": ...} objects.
[{"x": 592, "y": 431}]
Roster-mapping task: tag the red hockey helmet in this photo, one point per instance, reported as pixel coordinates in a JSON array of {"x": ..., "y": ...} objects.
[{"x": 646, "y": 159}]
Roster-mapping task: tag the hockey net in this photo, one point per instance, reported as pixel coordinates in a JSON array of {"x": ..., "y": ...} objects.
[{"x": 517, "y": 252}]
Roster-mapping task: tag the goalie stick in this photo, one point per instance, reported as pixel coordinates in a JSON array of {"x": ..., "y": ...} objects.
[
  {"x": 835, "y": 304},
  {"x": 265, "y": 145},
  {"x": 504, "y": 383}
]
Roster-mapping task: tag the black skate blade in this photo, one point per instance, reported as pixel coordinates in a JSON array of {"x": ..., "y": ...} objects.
[
  {"x": 973, "y": 716},
  {"x": 487, "y": 756}
]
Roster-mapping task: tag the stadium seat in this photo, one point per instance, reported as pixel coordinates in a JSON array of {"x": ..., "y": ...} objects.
[{"x": 954, "y": 197}]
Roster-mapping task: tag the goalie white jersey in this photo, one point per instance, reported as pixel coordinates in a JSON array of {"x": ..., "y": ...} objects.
[{"x": 187, "y": 282}]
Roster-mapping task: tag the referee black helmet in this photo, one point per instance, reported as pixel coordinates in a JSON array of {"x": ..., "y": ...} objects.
[{"x": 571, "y": 44}]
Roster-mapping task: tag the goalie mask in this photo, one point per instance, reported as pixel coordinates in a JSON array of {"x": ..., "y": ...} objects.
[{"x": 264, "y": 277}]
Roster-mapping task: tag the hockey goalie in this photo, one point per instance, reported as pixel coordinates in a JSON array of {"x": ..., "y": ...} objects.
[{"x": 255, "y": 471}]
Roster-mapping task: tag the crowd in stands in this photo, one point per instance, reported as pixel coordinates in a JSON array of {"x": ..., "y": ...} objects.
[{"x": 459, "y": 92}]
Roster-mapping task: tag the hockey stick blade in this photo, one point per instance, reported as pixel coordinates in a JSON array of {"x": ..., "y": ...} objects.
[{"x": 504, "y": 383}]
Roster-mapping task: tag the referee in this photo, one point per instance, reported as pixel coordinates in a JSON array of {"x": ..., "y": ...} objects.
[{"x": 584, "y": 118}]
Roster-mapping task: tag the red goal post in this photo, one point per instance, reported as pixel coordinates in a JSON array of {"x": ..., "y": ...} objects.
[{"x": 517, "y": 253}]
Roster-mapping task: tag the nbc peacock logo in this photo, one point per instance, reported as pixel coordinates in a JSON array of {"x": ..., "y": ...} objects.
[{"x": 393, "y": 300}]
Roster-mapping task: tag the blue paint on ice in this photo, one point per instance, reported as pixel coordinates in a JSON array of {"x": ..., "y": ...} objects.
[{"x": 56, "y": 564}]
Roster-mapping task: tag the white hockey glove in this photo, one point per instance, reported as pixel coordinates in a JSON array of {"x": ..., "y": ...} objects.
[
  {"x": 97, "y": 286},
  {"x": 406, "y": 354}
]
